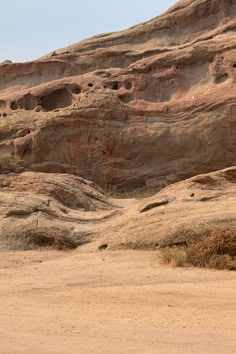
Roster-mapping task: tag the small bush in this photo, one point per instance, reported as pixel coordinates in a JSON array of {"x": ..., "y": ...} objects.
[
  {"x": 217, "y": 250},
  {"x": 213, "y": 249},
  {"x": 176, "y": 257},
  {"x": 222, "y": 262}
]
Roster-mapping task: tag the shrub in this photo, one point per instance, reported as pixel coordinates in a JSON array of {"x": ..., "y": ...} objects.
[
  {"x": 217, "y": 250},
  {"x": 212, "y": 249},
  {"x": 222, "y": 262}
]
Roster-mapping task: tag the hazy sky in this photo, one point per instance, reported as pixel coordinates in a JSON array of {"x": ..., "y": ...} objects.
[{"x": 32, "y": 28}]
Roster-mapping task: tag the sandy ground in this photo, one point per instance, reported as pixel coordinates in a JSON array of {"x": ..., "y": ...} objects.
[{"x": 113, "y": 302}]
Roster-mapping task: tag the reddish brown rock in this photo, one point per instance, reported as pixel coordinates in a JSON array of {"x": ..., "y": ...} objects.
[
  {"x": 65, "y": 211},
  {"x": 147, "y": 106}
]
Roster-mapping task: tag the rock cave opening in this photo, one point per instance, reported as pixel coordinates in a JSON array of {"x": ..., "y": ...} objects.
[
  {"x": 13, "y": 106},
  {"x": 126, "y": 98},
  {"x": 60, "y": 98},
  {"x": 28, "y": 102}
]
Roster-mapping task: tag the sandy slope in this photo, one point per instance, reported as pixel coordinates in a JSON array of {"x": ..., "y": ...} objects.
[{"x": 113, "y": 302}]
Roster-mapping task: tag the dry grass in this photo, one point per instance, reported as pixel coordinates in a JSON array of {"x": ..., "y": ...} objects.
[
  {"x": 176, "y": 257},
  {"x": 145, "y": 192},
  {"x": 40, "y": 240}
]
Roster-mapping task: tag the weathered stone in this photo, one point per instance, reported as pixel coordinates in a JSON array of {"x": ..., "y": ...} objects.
[
  {"x": 65, "y": 211},
  {"x": 147, "y": 106}
]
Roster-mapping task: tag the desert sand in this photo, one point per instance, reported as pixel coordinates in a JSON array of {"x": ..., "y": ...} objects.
[{"x": 113, "y": 302}]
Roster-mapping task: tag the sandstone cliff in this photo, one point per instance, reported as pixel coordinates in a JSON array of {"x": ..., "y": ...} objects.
[{"x": 147, "y": 106}]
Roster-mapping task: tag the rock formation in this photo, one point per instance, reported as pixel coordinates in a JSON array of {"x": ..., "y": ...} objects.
[
  {"x": 64, "y": 211},
  {"x": 176, "y": 215},
  {"x": 48, "y": 210},
  {"x": 148, "y": 106}
]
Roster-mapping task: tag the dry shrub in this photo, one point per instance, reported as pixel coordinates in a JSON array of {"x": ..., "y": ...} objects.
[
  {"x": 222, "y": 262},
  {"x": 36, "y": 239},
  {"x": 212, "y": 249},
  {"x": 217, "y": 250},
  {"x": 174, "y": 256}
]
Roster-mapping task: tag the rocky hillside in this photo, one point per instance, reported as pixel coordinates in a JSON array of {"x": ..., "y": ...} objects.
[{"x": 147, "y": 106}]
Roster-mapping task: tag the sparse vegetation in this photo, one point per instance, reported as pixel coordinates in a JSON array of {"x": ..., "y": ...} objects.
[
  {"x": 217, "y": 250},
  {"x": 176, "y": 257},
  {"x": 214, "y": 250},
  {"x": 37, "y": 240},
  {"x": 145, "y": 192}
]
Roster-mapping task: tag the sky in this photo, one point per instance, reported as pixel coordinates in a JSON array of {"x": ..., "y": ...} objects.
[{"x": 30, "y": 29}]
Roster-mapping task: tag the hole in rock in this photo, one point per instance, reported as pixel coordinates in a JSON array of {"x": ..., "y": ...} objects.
[
  {"x": 234, "y": 65},
  {"x": 2, "y": 104},
  {"x": 60, "y": 98},
  {"x": 222, "y": 78},
  {"x": 128, "y": 85},
  {"x": 115, "y": 85},
  {"x": 126, "y": 98},
  {"x": 103, "y": 247},
  {"x": 90, "y": 85},
  {"x": 13, "y": 106},
  {"x": 28, "y": 102},
  {"x": 76, "y": 89}
]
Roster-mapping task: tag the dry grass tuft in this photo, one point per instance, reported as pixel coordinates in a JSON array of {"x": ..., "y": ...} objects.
[{"x": 176, "y": 257}]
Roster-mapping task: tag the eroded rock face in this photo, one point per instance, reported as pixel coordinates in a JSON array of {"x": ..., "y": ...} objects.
[
  {"x": 64, "y": 211},
  {"x": 177, "y": 215},
  {"x": 147, "y": 106},
  {"x": 49, "y": 210}
]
